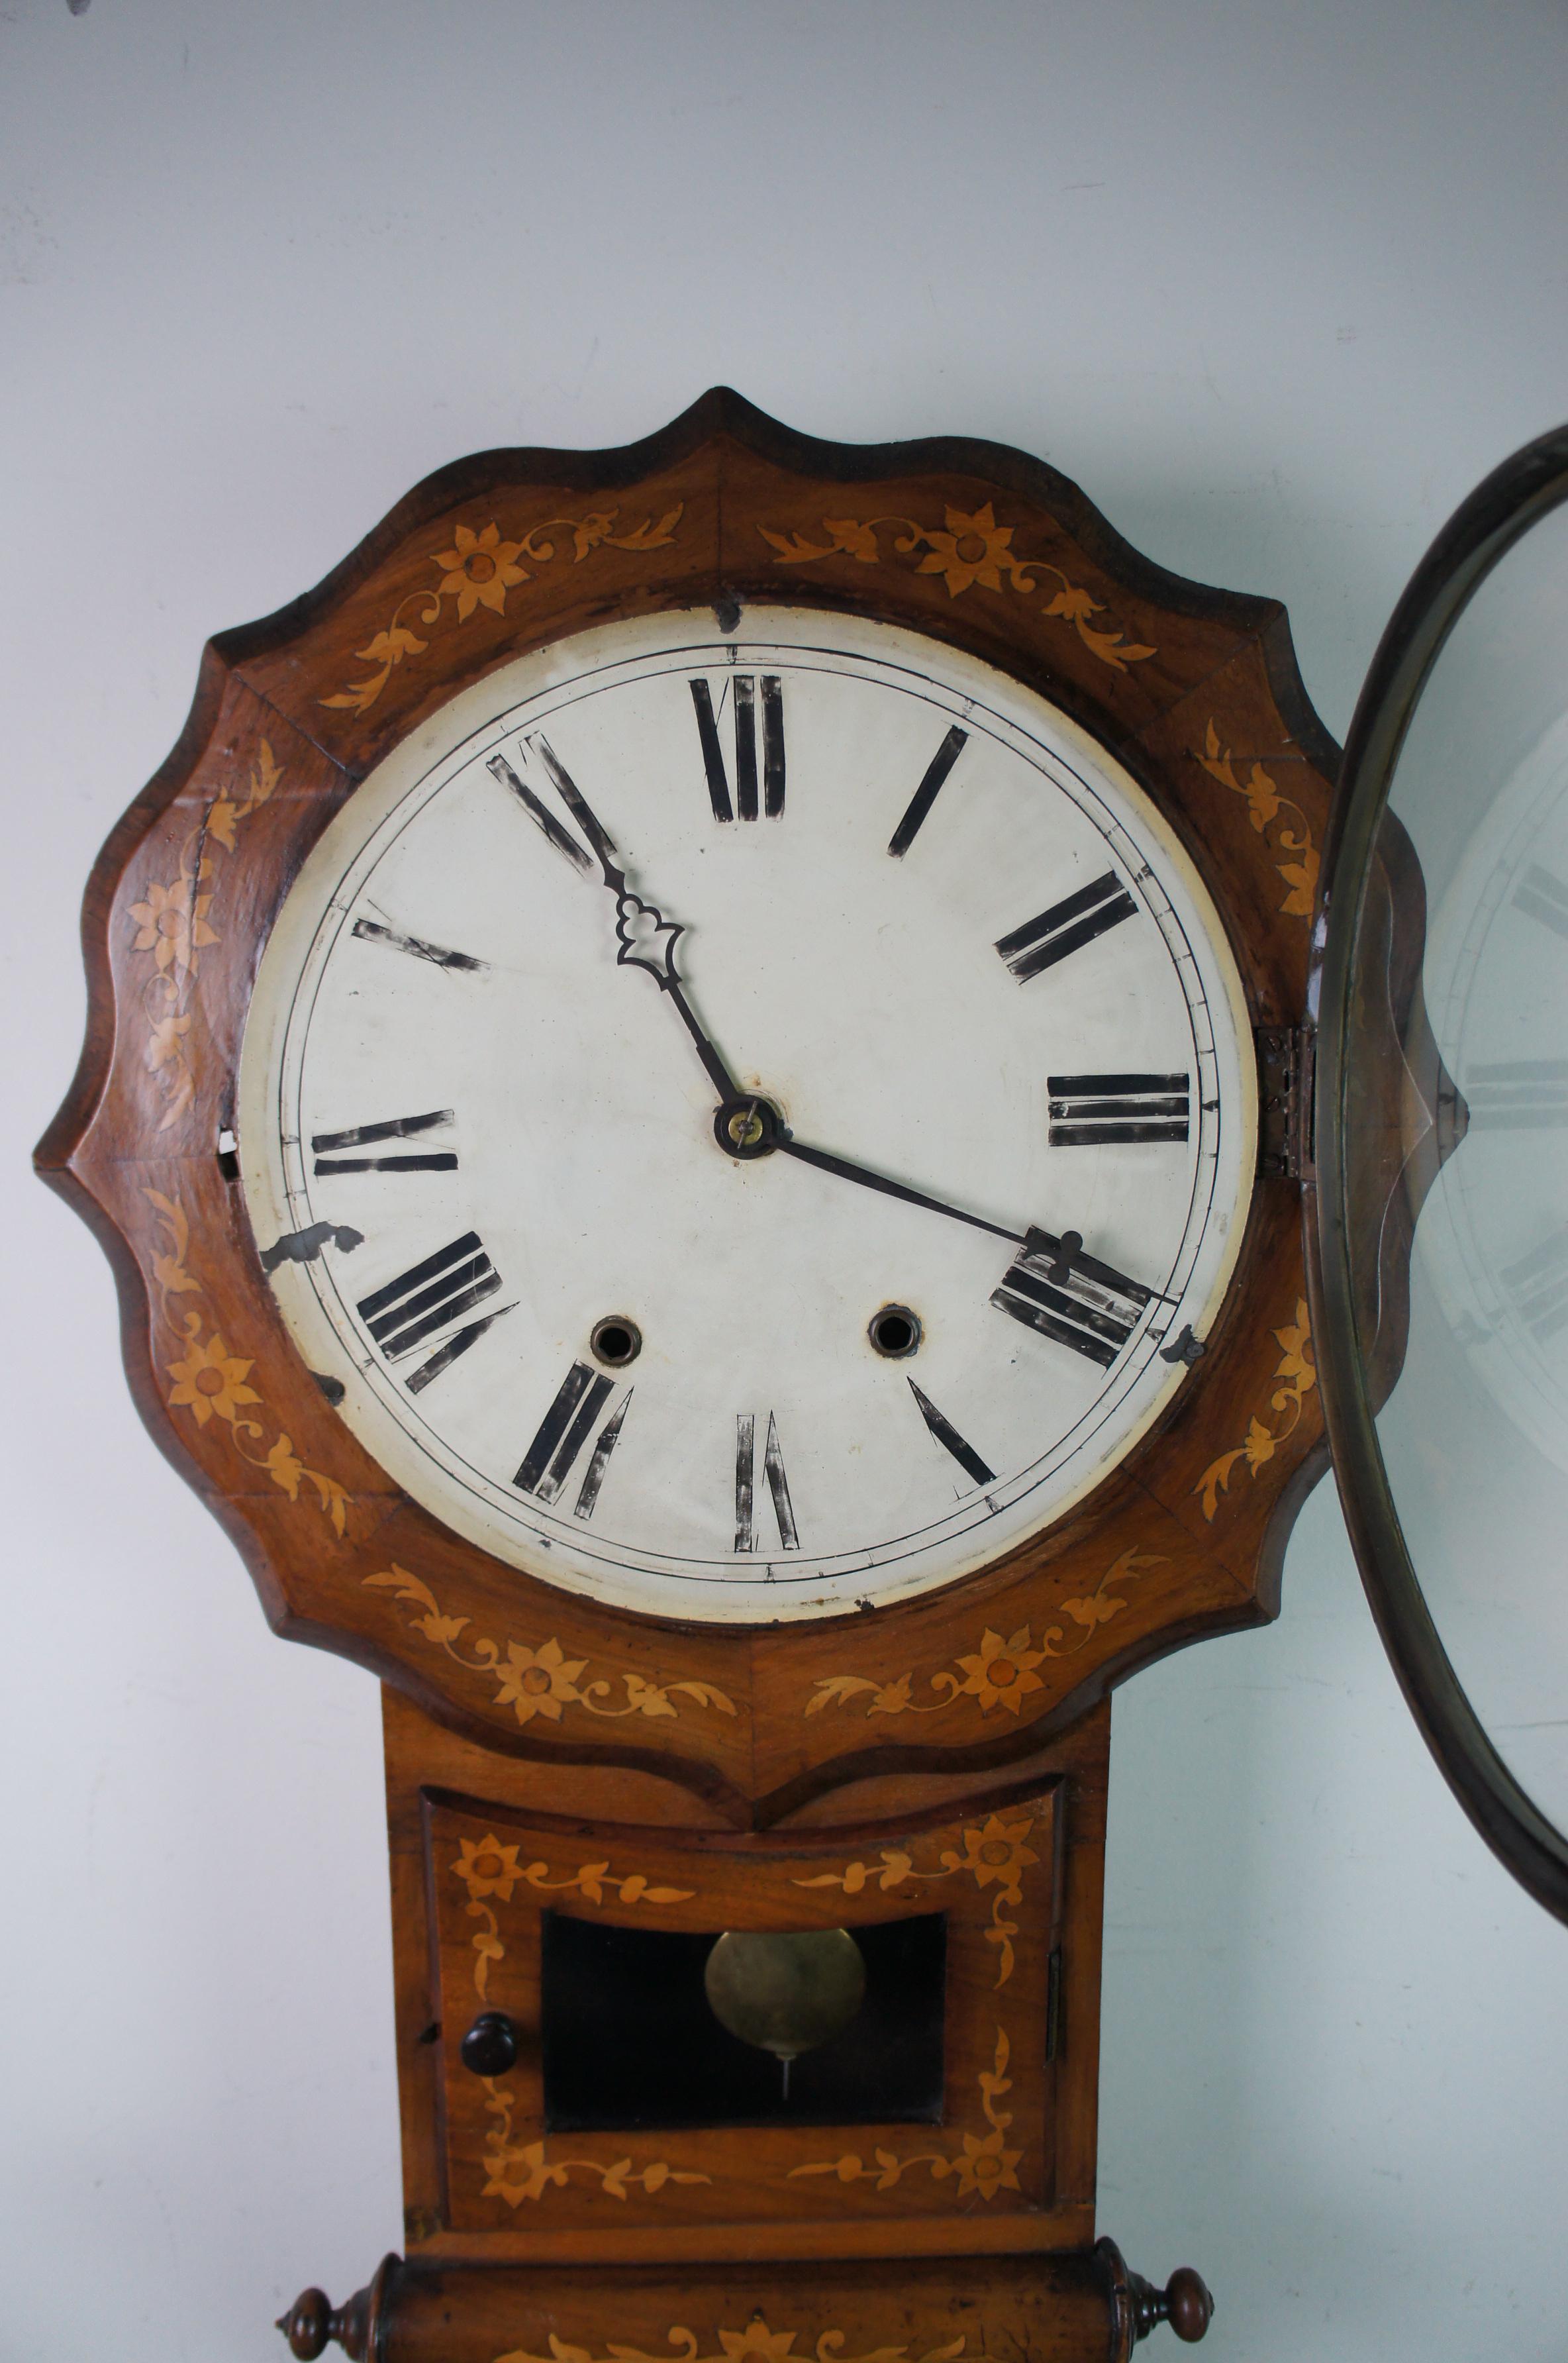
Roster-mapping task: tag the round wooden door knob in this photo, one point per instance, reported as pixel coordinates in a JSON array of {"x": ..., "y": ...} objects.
[
  {"x": 1189, "y": 2309},
  {"x": 489, "y": 2047}
]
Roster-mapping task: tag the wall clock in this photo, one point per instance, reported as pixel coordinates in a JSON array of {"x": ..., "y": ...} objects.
[{"x": 700, "y": 1087}]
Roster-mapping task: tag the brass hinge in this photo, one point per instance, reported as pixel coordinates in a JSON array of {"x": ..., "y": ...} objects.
[{"x": 1285, "y": 1101}]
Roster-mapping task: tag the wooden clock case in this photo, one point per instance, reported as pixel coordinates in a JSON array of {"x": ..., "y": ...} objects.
[{"x": 545, "y": 1752}]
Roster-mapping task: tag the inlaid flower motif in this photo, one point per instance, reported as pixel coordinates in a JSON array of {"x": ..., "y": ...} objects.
[
  {"x": 285, "y": 1468},
  {"x": 853, "y": 537},
  {"x": 165, "y": 1041},
  {"x": 995, "y": 1853},
  {"x": 1296, "y": 1376},
  {"x": 756, "y": 2339},
  {"x": 480, "y": 572},
  {"x": 488, "y": 1867},
  {"x": 535, "y": 2177},
  {"x": 981, "y": 2169},
  {"x": 1301, "y": 876},
  {"x": 1075, "y": 603},
  {"x": 520, "y": 2170},
  {"x": 1259, "y": 1446},
  {"x": 210, "y": 1381},
  {"x": 1001, "y": 1673},
  {"x": 587, "y": 534},
  {"x": 896, "y": 1867},
  {"x": 1296, "y": 1364},
  {"x": 1266, "y": 808},
  {"x": 538, "y": 1681},
  {"x": 172, "y": 924},
  {"x": 973, "y": 550},
  {"x": 986, "y": 2166}
]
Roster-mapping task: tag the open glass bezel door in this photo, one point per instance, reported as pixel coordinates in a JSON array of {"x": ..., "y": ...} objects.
[{"x": 1495, "y": 517}]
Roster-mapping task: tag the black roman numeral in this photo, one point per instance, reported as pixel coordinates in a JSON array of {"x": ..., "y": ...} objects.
[
  {"x": 1517, "y": 1095},
  {"x": 744, "y": 804},
  {"x": 1053, "y": 1287},
  {"x": 1089, "y": 1110},
  {"x": 746, "y": 1484},
  {"x": 562, "y": 1433},
  {"x": 947, "y": 1435},
  {"x": 458, "y": 1343},
  {"x": 412, "y": 1308},
  {"x": 544, "y": 819},
  {"x": 1067, "y": 927},
  {"x": 539, "y": 813},
  {"x": 397, "y": 1128},
  {"x": 371, "y": 931},
  {"x": 925, "y": 796},
  {"x": 571, "y": 795},
  {"x": 1538, "y": 1284},
  {"x": 1544, "y": 897}
]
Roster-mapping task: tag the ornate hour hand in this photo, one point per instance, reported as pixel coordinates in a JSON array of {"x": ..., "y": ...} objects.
[{"x": 645, "y": 937}]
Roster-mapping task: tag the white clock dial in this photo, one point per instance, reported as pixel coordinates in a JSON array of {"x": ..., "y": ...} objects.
[{"x": 747, "y": 1125}]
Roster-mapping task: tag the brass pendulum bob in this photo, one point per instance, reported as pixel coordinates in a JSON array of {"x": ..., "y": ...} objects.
[{"x": 786, "y": 1993}]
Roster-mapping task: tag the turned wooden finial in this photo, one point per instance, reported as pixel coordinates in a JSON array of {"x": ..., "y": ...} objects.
[
  {"x": 307, "y": 2326},
  {"x": 312, "y": 2323},
  {"x": 1139, "y": 2307},
  {"x": 1185, "y": 2302}
]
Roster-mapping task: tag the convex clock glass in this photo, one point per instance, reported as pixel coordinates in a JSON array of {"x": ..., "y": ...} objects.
[
  {"x": 749, "y": 1122},
  {"x": 1454, "y": 1485}
]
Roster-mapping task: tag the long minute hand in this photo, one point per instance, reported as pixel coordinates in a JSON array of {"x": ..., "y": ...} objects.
[
  {"x": 847, "y": 1172},
  {"x": 1065, "y": 1252},
  {"x": 645, "y": 937}
]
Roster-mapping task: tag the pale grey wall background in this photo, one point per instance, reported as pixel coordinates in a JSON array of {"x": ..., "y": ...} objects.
[{"x": 1277, "y": 284}]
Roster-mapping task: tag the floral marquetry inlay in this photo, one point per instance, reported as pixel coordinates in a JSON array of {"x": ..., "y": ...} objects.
[
  {"x": 173, "y": 925},
  {"x": 1278, "y": 820},
  {"x": 212, "y": 1382},
  {"x": 969, "y": 548},
  {"x": 755, "y": 2343},
  {"x": 998, "y": 1672},
  {"x": 487, "y": 1868},
  {"x": 523, "y": 2170},
  {"x": 479, "y": 571},
  {"x": 993, "y": 1854},
  {"x": 538, "y": 1679},
  {"x": 491, "y": 1872},
  {"x": 981, "y": 2166},
  {"x": 1296, "y": 1377}
]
